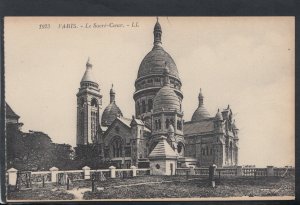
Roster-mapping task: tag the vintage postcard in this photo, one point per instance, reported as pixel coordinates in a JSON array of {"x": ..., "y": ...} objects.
[{"x": 150, "y": 108}]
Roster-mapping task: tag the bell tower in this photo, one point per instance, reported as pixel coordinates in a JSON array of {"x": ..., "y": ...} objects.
[{"x": 89, "y": 103}]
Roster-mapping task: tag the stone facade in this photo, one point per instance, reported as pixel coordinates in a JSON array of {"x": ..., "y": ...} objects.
[
  {"x": 124, "y": 142},
  {"x": 203, "y": 141}
]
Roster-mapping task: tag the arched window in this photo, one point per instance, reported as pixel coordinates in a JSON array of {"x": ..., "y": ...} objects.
[
  {"x": 116, "y": 147},
  {"x": 150, "y": 105},
  {"x": 94, "y": 123},
  {"x": 167, "y": 123},
  {"x": 159, "y": 124},
  {"x": 172, "y": 122},
  {"x": 180, "y": 148},
  {"x": 81, "y": 102},
  {"x": 94, "y": 103},
  {"x": 137, "y": 108},
  {"x": 179, "y": 124},
  {"x": 230, "y": 151},
  {"x": 82, "y": 123},
  {"x": 143, "y": 106}
]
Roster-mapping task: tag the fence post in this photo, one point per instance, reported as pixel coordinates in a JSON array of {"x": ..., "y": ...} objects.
[
  {"x": 270, "y": 171},
  {"x": 86, "y": 172},
  {"x": 12, "y": 176},
  {"x": 133, "y": 171},
  {"x": 239, "y": 171},
  {"x": 187, "y": 174},
  {"x": 68, "y": 183},
  {"x": 93, "y": 185},
  {"x": 112, "y": 172},
  {"x": 192, "y": 170},
  {"x": 54, "y": 171},
  {"x": 43, "y": 181}
]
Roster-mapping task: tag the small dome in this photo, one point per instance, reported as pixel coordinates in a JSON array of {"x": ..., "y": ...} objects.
[
  {"x": 201, "y": 112},
  {"x": 110, "y": 113},
  {"x": 166, "y": 99},
  {"x": 218, "y": 116}
]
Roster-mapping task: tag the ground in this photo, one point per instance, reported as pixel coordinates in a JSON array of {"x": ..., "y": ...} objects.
[{"x": 162, "y": 187}]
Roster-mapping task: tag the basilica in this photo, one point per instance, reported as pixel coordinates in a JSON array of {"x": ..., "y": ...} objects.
[{"x": 157, "y": 135}]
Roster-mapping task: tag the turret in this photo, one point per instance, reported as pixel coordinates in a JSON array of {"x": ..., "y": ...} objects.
[
  {"x": 218, "y": 122},
  {"x": 89, "y": 102}
]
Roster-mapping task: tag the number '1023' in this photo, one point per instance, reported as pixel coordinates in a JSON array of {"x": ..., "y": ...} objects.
[{"x": 44, "y": 26}]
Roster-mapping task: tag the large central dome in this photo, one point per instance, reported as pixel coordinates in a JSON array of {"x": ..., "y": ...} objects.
[
  {"x": 154, "y": 62},
  {"x": 150, "y": 79}
]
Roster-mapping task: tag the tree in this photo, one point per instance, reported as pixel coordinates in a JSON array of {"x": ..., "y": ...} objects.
[
  {"x": 90, "y": 155},
  {"x": 35, "y": 151},
  {"x": 14, "y": 146},
  {"x": 63, "y": 156},
  {"x": 38, "y": 151}
]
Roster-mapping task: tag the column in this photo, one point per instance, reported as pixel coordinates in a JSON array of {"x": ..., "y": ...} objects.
[
  {"x": 112, "y": 172},
  {"x": 175, "y": 122},
  {"x": 239, "y": 171},
  {"x": 270, "y": 171},
  {"x": 12, "y": 176},
  {"x": 54, "y": 171},
  {"x": 133, "y": 170},
  {"x": 86, "y": 172}
]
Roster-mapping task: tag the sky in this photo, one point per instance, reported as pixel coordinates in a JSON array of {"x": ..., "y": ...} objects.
[{"x": 247, "y": 62}]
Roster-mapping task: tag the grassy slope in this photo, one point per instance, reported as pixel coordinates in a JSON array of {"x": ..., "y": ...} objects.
[{"x": 179, "y": 187}]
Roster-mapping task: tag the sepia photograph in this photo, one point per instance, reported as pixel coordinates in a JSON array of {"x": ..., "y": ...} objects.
[{"x": 149, "y": 108}]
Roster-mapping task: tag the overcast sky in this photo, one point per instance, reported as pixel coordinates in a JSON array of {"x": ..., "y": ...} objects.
[{"x": 247, "y": 62}]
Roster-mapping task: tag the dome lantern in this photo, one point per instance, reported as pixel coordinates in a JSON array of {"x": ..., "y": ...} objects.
[
  {"x": 112, "y": 94},
  {"x": 200, "y": 98},
  {"x": 157, "y": 33}
]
